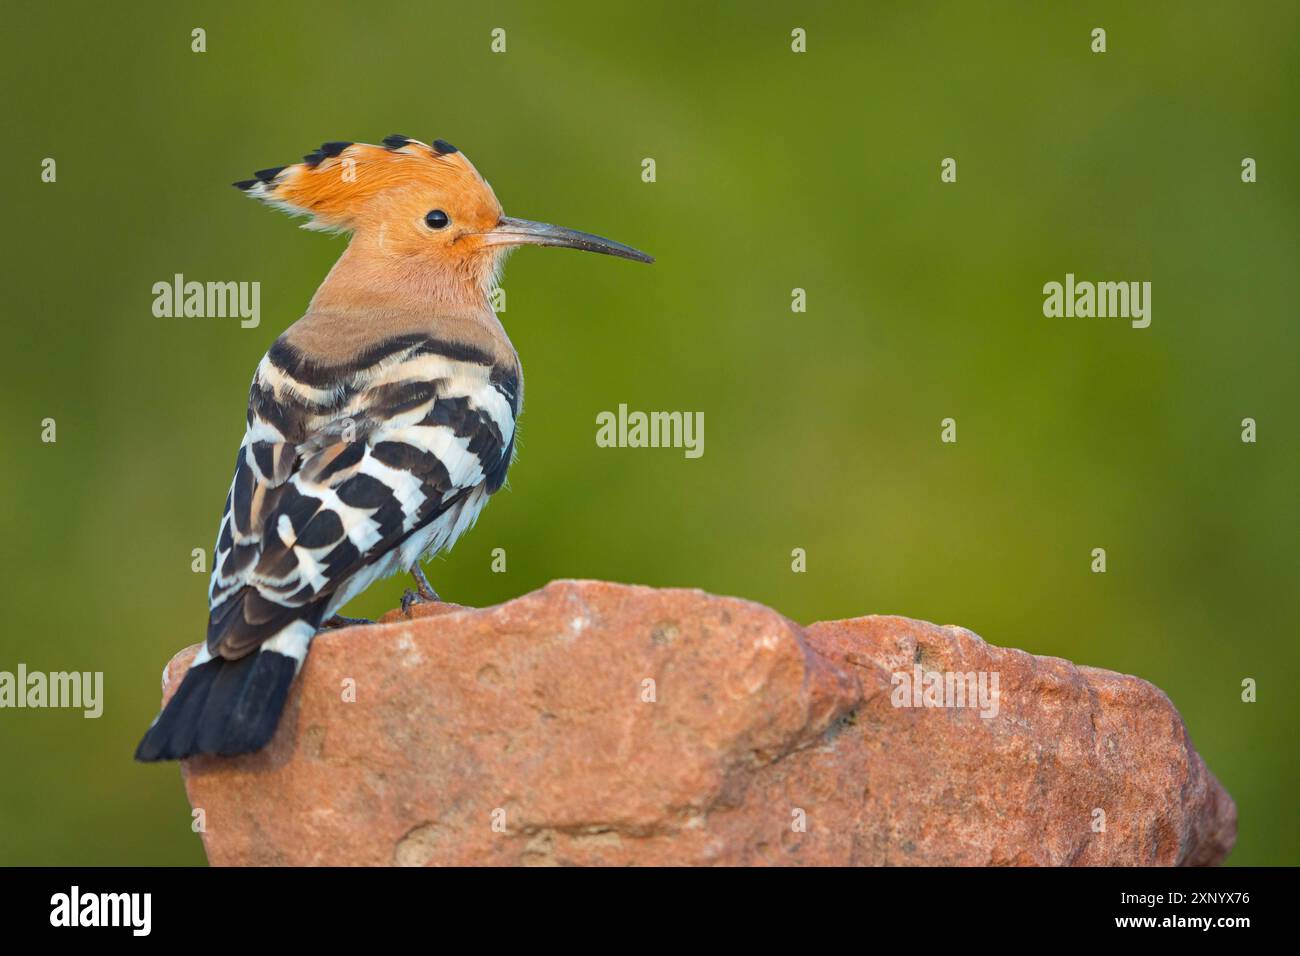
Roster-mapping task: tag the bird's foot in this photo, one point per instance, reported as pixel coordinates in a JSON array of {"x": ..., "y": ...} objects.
[
  {"x": 423, "y": 593},
  {"x": 338, "y": 621}
]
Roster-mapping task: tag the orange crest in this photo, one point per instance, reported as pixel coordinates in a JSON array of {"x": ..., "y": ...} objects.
[{"x": 349, "y": 186}]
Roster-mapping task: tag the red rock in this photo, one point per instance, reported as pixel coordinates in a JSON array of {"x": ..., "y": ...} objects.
[{"x": 518, "y": 734}]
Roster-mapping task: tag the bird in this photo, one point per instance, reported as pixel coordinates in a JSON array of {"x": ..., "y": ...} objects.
[{"x": 378, "y": 424}]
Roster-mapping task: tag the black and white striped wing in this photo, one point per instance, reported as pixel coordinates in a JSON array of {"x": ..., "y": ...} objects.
[{"x": 349, "y": 474}]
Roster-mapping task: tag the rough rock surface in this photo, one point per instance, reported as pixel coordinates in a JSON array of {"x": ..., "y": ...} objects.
[{"x": 594, "y": 723}]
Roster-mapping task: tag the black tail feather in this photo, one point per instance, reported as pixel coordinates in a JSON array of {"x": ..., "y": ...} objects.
[{"x": 222, "y": 707}]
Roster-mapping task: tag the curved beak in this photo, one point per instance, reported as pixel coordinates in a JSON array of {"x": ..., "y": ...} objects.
[{"x": 524, "y": 232}]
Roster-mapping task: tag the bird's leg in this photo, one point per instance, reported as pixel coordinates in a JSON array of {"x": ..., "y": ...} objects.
[
  {"x": 424, "y": 593},
  {"x": 338, "y": 620},
  {"x": 426, "y": 589}
]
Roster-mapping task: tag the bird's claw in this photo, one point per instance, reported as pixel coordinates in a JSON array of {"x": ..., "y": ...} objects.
[
  {"x": 411, "y": 597},
  {"x": 422, "y": 594}
]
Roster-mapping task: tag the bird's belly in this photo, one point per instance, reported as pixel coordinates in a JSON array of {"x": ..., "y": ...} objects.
[
  {"x": 440, "y": 535},
  {"x": 443, "y": 533}
]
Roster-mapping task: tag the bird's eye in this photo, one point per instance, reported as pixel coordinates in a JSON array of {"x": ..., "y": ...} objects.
[{"x": 437, "y": 219}]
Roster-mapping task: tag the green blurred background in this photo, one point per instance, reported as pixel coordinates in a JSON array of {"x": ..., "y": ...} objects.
[{"x": 775, "y": 171}]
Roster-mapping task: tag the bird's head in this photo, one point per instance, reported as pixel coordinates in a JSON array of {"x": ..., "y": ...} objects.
[{"x": 418, "y": 209}]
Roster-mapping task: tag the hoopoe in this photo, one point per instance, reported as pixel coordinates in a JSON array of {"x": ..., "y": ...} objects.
[{"x": 378, "y": 424}]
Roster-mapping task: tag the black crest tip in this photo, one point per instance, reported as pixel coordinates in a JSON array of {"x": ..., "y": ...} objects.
[
  {"x": 442, "y": 147},
  {"x": 245, "y": 184},
  {"x": 333, "y": 148},
  {"x": 314, "y": 159},
  {"x": 267, "y": 175},
  {"x": 396, "y": 141}
]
